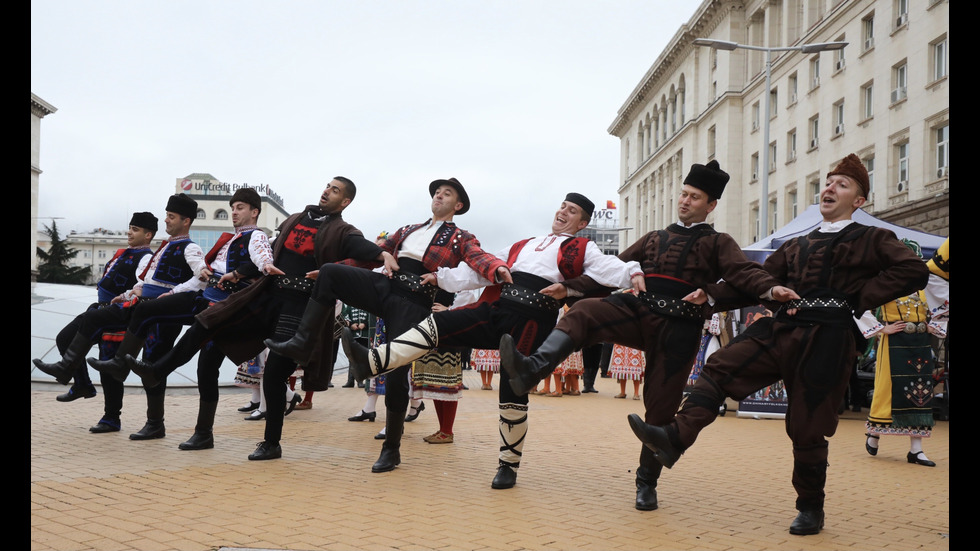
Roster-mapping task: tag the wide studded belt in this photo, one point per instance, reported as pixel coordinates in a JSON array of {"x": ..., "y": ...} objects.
[
  {"x": 228, "y": 286},
  {"x": 302, "y": 283},
  {"x": 413, "y": 283},
  {"x": 818, "y": 303},
  {"x": 527, "y": 297},
  {"x": 670, "y": 306}
]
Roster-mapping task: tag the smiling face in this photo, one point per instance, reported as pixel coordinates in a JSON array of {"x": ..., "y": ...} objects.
[
  {"x": 840, "y": 197},
  {"x": 334, "y": 197},
  {"x": 138, "y": 237},
  {"x": 570, "y": 218},
  {"x": 694, "y": 205},
  {"x": 243, "y": 214},
  {"x": 445, "y": 203},
  {"x": 176, "y": 224}
]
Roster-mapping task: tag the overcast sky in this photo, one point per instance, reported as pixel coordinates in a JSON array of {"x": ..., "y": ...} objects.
[{"x": 513, "y": 98}]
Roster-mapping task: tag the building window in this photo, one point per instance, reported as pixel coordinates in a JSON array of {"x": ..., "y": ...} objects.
[
  {"x": 902, "y": 152},
  {"x": 868, "y": 101},
  {"x": 755, "y": 167},
  {"x": 773, "y": 103},
  {"x": 939, "y": 58},
  {"x": 942, "y": 151},
  {"x": 712, "y": 136},
  {"x": 814, "y": 126},
  {"x": 201, "y": 215},
  {"x": 791, "y": 145},
  {"x": 814, "y": 186},
  {"x": 839, "y": 56},
  {"x": 221, "y": 214},
  {"x": 814, "y": 71},
  {"x": 793, "y": 86},
  {"x": 901, "y": 13},
  {"x": 869, "y": 163},
  {"x": 900, "y": 82},
  {"x": 101, "y": 253},
  {"x": 793, "y": 206},
  {"x": 773, "y": 218},
  {"x": 839, "y": 118},
  {"x": 772, "y": 157},
  {"x": 868, "y": 31},
  {"x": 755, "y": 116}
]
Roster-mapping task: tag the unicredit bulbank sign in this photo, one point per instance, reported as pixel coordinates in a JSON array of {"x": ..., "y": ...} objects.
[{"x": 223, "y": 189}]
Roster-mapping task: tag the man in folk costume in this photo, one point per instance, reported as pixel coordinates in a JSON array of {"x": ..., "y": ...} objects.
[
  {"x": 173, "y": 268},
  {"x": 839, "y": 269},
  {"x": 120, "y": 275},
  {"x": 274, "y": 304},
  {"x": 398, "y": 295},
  {"x": 233, "y": 263},
  {"x": 523, "y": 310},
  {"x": 664, "y": 321}
]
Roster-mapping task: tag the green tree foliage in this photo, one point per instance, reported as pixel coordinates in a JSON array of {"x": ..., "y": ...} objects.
[{"x": 54, "y": 266}]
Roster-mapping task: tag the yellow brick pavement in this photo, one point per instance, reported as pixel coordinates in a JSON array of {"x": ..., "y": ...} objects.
[{"x": 575, "y": 488}]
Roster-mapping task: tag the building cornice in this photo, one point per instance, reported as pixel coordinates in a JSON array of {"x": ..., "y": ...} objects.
[
  {"x": 704, "y": 19},
  {"x": 41, "y": 108}
]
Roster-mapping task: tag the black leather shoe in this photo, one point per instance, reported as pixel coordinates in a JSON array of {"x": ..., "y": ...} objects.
[
  {"x": 266, "y": 451},
  {"x": 655, "y": 438},
  {"x": 56, "y": 370},
  {"x": 646, "y": 496},
  {"x": 871, "y": 449},
  {"x": 198, "y": 441},
  {"x": 292, "y": 404},
  {"x": 152, "y": 430},
  {"x": 506, "y": 478},
  {"x": 914, "y": 458},
  {"x": 807, "y": 523},
  {"x": 105, "y": 425},
  {"x": 590, "y": 389},
  {"x": 73, "y": 394},
  {"x": 252, "y": 406},
  {"x": 114, "y": 367},
  {"x": 387, "y": 461},
  {"x": 256, "y": 416},
  {"x": 362, "y": 416},
  {"x": 144, "y": 370},
  {"x": 379, "y": 436},
  {"x": 413, "y": 416}
]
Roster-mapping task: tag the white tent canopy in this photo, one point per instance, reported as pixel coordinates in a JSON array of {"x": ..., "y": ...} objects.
[{"x": 810, "y": 219}]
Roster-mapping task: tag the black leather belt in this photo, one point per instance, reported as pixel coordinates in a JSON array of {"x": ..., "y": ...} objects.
[
  {"x": 527, "y": 297},
  {"x": 670, "y": 306},
  {"x": 412, "y": 283},
  {"x": 228, "y": 287},
  {"x": 302, "y": 284}
]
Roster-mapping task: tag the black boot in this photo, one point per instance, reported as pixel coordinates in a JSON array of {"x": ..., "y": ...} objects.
[
  {"x": 183, "y": 351},
  {"x": 656, "y": 440},
  {"x": 300, "y": 347},
  {"x": 64, "y": 369},
  {"x": 647, "y": 475},
  {"x": 116, "y": 366},
  {"x": 526, "y": 372},
  {"x": 390, "y": 455},
  {"x": 357, "y": 355},
  {"x": 203, "y": 437},
  {"x": 807, "y": 523},
  {"x": 154, "y": 420}
]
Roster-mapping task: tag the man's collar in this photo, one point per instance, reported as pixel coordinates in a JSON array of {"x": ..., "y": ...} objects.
[
  {"x": 681, "y": 224},
  {"x": 833, "y": 227}
]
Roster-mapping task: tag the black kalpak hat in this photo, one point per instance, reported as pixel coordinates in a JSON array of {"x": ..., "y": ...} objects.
[
  {"x": 582, "y": 201},
  {"x": 249, "y": 196},
  {"x": 454, "y": 183},
  {"x": 709, "y": 178},
  {"x": 183, "y": 205},
  {"x": 144, "y": 220}
]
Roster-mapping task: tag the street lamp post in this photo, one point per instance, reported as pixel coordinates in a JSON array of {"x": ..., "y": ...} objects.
[{"x": 804, "y": 48}]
